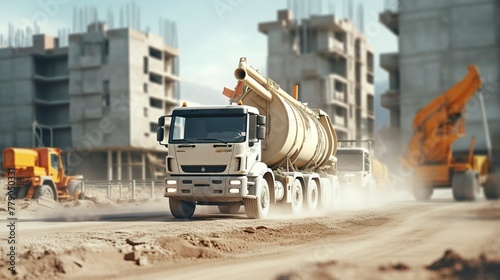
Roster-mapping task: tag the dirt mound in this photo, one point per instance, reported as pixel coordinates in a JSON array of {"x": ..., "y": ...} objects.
[
  {"x": 52, "y": 265},
  {"x": 178, "y": 247},
  {"x": 452, "y": 265}
]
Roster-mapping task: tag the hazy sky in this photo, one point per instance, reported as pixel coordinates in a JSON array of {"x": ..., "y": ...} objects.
[{"x": 212, "y": 34}]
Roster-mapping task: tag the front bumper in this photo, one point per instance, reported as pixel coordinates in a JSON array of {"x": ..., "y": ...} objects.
[{"x": 207, "y": 189}]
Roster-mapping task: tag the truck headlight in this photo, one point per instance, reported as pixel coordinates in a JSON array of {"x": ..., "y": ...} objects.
[
  {"x": 235, "y": 182},
  {"x": 233, "y": 190},
  {"x": 36, "y": 179},
  {"x": 171, "y": 182},
  {"x": 171, "y": 190}
]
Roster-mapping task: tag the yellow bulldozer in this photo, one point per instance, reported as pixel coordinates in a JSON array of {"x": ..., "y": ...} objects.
[{"x": 40, "y": 173}]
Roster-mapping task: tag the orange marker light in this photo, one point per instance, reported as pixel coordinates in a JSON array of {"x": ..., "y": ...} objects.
[
  {"x": 184, "y": 104},
  {"x": 240, "y": 102},
  {"x": 296, "y": 92}
]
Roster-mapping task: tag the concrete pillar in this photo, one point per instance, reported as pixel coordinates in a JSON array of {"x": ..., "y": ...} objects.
[
  {"x": 110, "y": 165},
  {"x": 119, "y": 165},
  {"x": 129, "y": 164},
  {"x": 143, "y": 165}
]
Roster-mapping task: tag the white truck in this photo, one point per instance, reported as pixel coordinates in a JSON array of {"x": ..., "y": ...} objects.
[
  {"x": 271, "y": 150},
  {"x": 358, "y": 169}
]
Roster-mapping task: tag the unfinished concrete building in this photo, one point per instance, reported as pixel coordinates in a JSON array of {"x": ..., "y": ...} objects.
[
  {"x": 99, "y": 98},
  {"x": 437, "y": 40},
  {"x": 332, "y": 63}
]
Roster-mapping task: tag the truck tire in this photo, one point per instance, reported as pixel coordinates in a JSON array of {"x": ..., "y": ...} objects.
[
  {"x": 181, "y": 209},
  {"x": 258, "y": 208},
  {"x": 422, "y": 192},
  {"x": 465, "y": 186},
  {"x": 297, "y": 198},
  {"x": 44, "y": 191},
  {"x": 492, "y": 187},
  {"x": 232, "y": 208},
  {"x": 75, "y": 189},
  {"x": 312, "y": 196},
  {"x": 22, "y": 192}
]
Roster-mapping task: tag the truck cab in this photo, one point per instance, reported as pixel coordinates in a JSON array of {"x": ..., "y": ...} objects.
[
  {"x": 212, "y": 151},
  {"x": 355, "y": 169}
]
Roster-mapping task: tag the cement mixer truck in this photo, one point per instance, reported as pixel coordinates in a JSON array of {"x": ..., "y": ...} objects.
[{"x": 269, "y": 149}]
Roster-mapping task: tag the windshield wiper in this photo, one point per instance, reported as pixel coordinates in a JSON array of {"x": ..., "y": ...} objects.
[{"x": 212, "y": 139}]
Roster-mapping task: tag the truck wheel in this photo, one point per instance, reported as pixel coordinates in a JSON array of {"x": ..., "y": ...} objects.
[
  {"x": 22, "y": 192},
  {"x": 181, "y": 209},
  {"x": 257, "y": 208},
  {"x": 422, "y": 192},
  {"x": 44, "y": 191},
  {"x": 75, "y": 189},
  {"x": 232, "y": 208},
  {"x": 492, "y": 187},
  {"x": 297, "y": 196},
  {"x": 312, "y": 196},
  {"x": 465, "y": 185}
]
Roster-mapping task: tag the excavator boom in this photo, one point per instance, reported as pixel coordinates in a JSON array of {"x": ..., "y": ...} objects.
[{"x": 438, "y": 124}]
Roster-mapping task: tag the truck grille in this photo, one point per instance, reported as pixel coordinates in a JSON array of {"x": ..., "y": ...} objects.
[{"x": 203, "y": 168}]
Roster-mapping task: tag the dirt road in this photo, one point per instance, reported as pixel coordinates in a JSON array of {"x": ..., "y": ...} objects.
[{"x": 391, "y": 240}]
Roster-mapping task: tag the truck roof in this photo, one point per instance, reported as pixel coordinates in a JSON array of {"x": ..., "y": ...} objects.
[
  {"x": 347, "y": 150},
  {"x": 243, "y": 109}
]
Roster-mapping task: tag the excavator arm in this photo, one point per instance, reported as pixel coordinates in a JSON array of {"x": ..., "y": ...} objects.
[{"x": 437, "y": 125}]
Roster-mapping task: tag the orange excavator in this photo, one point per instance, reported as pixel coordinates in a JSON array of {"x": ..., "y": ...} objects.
[{"x": 429, "y": 153}]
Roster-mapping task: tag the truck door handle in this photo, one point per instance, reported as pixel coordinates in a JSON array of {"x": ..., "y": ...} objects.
[{"x": 186, "y": 146}]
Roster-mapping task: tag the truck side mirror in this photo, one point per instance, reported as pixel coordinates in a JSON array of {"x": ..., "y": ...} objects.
[
  {"x": 261, "y": 120},
  {"x": 261, "y": 132},
  {"x": 161, "y": 121},
  {"x": 160, "y": 134}
]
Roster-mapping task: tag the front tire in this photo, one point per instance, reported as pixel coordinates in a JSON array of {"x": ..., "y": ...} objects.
[
  {"x": 232, "y": 208},
  {"x": 44, "y": 191},
  {"x": 181, "y": 209},
  {"x": 258, "y": 208}
]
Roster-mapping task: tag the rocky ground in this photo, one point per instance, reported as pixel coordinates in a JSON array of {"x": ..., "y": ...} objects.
[{"x": 98, "y": 238}]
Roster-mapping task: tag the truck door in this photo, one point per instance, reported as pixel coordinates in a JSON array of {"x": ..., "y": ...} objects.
[{"x": 55, "y": 167}]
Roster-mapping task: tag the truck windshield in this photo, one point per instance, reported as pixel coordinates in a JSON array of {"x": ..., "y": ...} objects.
[
  {"x": 208, "y": 129},
  {"x": 349, "y": 161}
]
